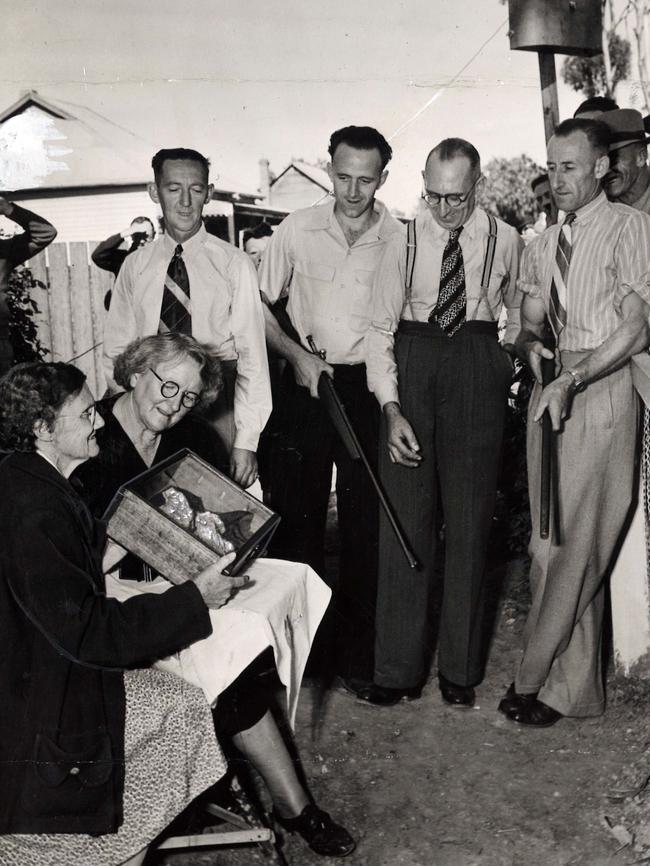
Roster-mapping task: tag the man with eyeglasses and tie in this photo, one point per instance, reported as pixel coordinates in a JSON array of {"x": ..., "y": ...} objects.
[
  {"x": 590, "y": 276},
  {"x": 442, "y": 379},
  {"x": 191, "y": 282}
]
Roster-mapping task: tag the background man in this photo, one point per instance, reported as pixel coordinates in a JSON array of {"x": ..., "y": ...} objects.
[
  {"x": 628, "y": 178},
  {"x": 590, "y": 277},
  {"x": 543, "y": 199},
  {"x": 325, "y": 259},
  {"x": 109, "y": 255},
  {"x": 36, "y": 235},
  {"x": 442, "y": 380},
  {"x": 594, "y": 107},
  {"x": 193, "y": 282}
]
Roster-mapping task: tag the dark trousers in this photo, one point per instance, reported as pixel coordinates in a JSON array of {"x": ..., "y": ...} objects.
[
  {"x": 453, "y": 391},
  {"x": 299, "y": 448}
]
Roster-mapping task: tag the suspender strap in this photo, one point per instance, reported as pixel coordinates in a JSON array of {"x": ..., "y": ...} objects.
[
  {"x": 489, "y": 253},
  {"x": 411, "y": 249}
]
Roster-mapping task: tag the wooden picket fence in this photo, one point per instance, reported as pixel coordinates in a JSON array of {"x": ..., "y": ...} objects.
[{"x": 71, "y": 313}]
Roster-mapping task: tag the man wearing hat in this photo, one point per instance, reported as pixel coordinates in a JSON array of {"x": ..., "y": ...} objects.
[{"x": 628, "y": 178}]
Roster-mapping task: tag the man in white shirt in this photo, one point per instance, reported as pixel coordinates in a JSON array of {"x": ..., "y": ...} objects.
[
  {"x": 442, "y": 380},
  {"x": 324, "y": 259},
  {"x": 191, "y": 281}
]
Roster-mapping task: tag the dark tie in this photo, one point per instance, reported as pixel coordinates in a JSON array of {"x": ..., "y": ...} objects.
[
  {"x": 558, "y": 300},
  {"x": 175, "y": 308},
  {"x": 449, "y": 311}
]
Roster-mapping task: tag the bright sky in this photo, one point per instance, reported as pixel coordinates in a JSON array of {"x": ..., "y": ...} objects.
[{"x": 242, "y": 80}]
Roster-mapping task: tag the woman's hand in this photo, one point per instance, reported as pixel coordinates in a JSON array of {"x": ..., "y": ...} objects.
[{"x": 216, "y": 588}]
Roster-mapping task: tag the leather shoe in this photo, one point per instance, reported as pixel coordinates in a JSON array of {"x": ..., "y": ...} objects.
[
  {"x": 351, "y": 685},
  {"x": 382, "y": 696},
  {"x": 455, "y": 695},
  {"x": 318, "y": 830},
  {"x": 532, "y": 712},
  {"x": 513, "y": 700}
]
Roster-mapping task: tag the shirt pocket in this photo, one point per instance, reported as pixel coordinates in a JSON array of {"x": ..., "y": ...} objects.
[
  {"x": 361, "y": 301},
  {"x": 313, "y": 274}
]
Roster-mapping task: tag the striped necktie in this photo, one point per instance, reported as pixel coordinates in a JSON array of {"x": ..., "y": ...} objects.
[
  {"x": 558, "y": 299},
  {"x": 451, "y": 306},
  {"x": 175, "y": 312}
]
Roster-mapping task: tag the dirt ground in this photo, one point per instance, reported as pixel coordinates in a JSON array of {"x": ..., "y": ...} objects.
[{"x": 422, "y": 784}]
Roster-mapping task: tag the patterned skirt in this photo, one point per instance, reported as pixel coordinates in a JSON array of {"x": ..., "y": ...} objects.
[{"x": 171, "y": 756}]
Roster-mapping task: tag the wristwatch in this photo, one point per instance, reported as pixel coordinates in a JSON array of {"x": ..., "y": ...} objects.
[{"x": 579, "y": 383}]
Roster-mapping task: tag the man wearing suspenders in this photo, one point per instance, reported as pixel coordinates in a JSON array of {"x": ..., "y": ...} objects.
[{"x": 442, "y": 380}]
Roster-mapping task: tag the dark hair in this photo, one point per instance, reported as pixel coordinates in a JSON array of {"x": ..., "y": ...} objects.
[
  {"x": 163, "y": 348},
  {"x": 451, "y": 148},
  {"x": 32, "y": 392},
  {"x": 596, "y": 103},
  {"x": 596, "y": 131},
  {"x": 177, "y": 153},
  {"x": 541, "y": 178},
  {"x": 361, "y": 138},
  {"x": 261, "y": 230}
]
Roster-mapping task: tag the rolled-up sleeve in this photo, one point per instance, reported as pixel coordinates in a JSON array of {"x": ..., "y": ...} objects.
[
  {"x": 633, "y": 259},
  {"x": 120, "y": 327},
  {"x": 529, "y": 281},
  {"x": 252, "y": 386},
  {"x": 512, "y": 293},
  {"x": 277, "y": 263},
  {"x": 386, "y": 312}
]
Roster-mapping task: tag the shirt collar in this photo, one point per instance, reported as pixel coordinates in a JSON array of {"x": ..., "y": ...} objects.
[
  {"x": 588, "y": 211},
  {"x": 190, "y": 245},
  {"x": 470, "y": 227},
  {"x": 322, "y": 217}
]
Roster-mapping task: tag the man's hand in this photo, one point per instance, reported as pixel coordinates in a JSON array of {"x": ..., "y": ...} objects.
[
  {"x": 6, "y": 207},
  {"x": 403, "y": 447},
  {"x": 533, "y": 352},
  {"x": 555, "y": 398},
  {"x": 215, "y": 588},
  {"x": 243, "y": 467},
  {"x": 308, "y": 368}
]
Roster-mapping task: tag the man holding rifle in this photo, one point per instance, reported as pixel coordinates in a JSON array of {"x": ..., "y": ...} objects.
[
  {"x": 590, "y": 276},
  {"x": 442, "y": 380},
  {"x": 323, "y": 259}
]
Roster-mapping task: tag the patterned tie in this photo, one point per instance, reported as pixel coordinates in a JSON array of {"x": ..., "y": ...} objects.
[
  {"x": 175, "y": 308},
  {"x": 558, "y": 299},
  {"x": 449, "y": 311}
]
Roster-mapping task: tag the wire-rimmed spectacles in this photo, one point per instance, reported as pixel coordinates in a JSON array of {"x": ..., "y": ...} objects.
[
  {"x": 451, "y": 199},
  {"x": 88, "y": 414},
  {"x": 170, "y": 389}
]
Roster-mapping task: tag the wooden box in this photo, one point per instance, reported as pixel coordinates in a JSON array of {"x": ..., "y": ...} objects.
[{"x": 135, "y": 519}]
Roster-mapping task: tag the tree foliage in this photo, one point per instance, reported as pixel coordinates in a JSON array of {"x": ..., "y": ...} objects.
[
  {"x": 23, "y": 333},
  {"x": 507, "y": 193},
  {"x": 587, "y": 74}
]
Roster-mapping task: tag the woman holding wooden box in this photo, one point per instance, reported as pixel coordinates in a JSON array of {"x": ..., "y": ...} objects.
[
  {"x": 98, "y": 753},
  {"x": 165, "y": 377}
]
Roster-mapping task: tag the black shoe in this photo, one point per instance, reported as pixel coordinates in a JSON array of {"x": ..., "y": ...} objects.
[
  {"x": 533, "y": 713},
  {"x": 513, "y": 701},
  {"x": 455, "y": 695},
  {"x": 382, "y": 696},
  {"x": 351, "y": 685},
  {"x": 319, "y": 831}
]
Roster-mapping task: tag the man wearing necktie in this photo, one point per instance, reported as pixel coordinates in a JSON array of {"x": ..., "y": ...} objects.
[
  {"x": 442, "y": 379},
  {"x": 194, "y": 283},
  {"x": 590, "y": 276}
]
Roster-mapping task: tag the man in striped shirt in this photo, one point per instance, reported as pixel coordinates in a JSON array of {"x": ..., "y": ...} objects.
[{"x": 590, "y": 276}]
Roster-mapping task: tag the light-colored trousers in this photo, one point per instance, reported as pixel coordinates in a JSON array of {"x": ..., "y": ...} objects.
[{"x": 595, "y": 476}]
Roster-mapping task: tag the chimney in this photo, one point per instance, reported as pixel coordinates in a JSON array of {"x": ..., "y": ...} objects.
[{"x": 265, "y": 180}]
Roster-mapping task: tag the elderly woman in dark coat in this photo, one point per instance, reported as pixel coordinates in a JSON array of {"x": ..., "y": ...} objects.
[{"x": 89, "y": 744}]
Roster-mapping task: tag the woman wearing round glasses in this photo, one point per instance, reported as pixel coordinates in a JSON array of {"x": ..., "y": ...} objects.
[{"x": 165, "y": 376}]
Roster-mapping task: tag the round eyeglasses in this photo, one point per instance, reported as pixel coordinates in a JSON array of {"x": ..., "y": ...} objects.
[
  {"x": 451, "y": 199},
  {"x": 170, "y": 389}
]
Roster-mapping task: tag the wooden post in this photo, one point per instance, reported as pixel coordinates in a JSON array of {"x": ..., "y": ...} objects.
[{"x": 548, "y": 84}]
